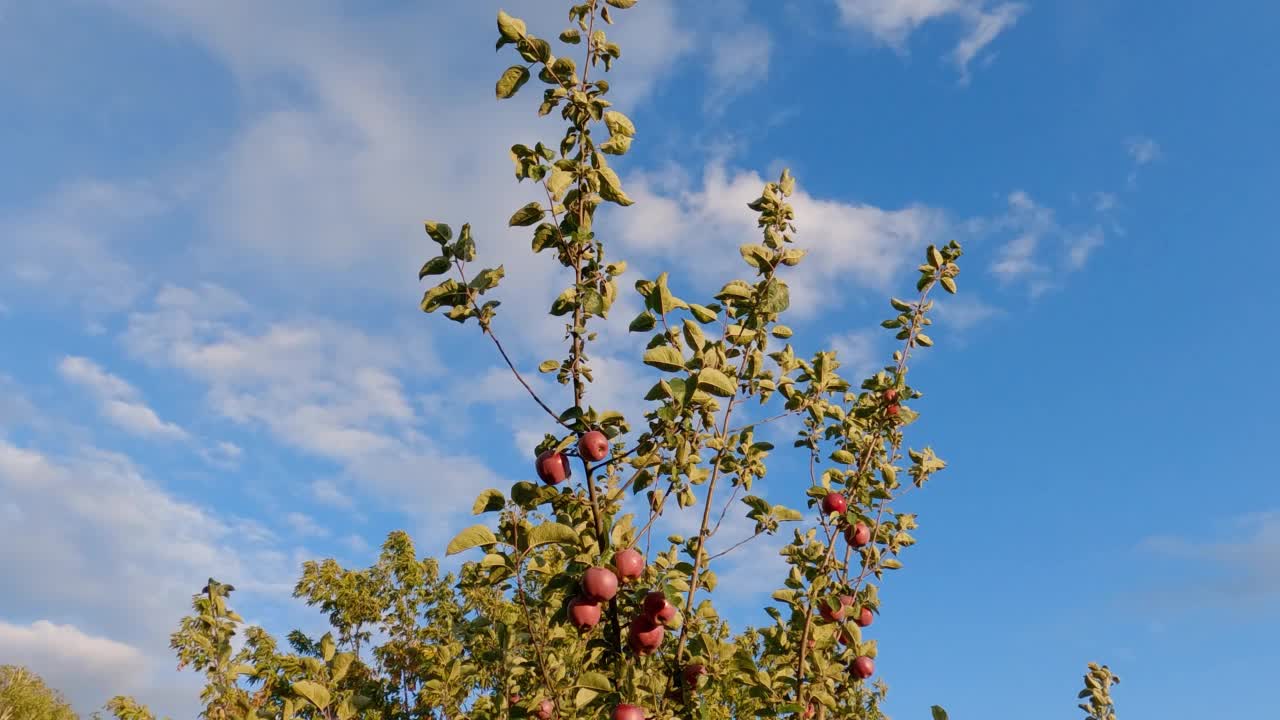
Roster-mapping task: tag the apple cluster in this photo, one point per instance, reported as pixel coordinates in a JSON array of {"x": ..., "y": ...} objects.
[{"x": 553, "y": 466}]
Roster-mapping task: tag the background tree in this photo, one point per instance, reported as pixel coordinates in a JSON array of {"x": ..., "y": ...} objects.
[{"x": 24, "y": 696}]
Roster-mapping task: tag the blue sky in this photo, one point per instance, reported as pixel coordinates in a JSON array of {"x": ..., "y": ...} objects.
[{"x": 213, "y": 362}]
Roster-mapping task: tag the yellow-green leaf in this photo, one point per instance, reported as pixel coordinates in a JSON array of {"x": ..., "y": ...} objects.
[
  {"x": 511, "y": 80},
  {"x": 527, "y": 215},
  {"x": 552, "y": 532},
  {"x": 474, "y": 536},
  {"x": 664, "y": 357},
  {"x": 312, "y": 692},
  {"x": 716, "y": 382},
  {"x": 488, "y": 501}
]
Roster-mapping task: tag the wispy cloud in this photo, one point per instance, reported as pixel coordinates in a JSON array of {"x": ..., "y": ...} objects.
[
  {"x": 1143, "y": 151},
  {"x": 1026, "y": 257},
  {"x": 1239, "y": 569},
  {"x": 118, "y": 401},
  {"x": 893, "y": 21}
]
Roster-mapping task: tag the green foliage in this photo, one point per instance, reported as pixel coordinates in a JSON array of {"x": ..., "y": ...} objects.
[
  {"x": 24, "y": 696},
  {"x": 497, "y": 641}
]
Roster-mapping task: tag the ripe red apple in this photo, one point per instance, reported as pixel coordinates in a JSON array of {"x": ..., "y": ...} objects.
[
  {"x": 546, "y": 710},
  {"x": 858, "y": 535},
  {"x": 892, "y": 410},
  {"x": 809, "y": 711},
  {"x": 864, "y": 617},
  {"x": 593, "y": 446},
  {"x": 659, "y": 608},
  {"x": 864, "y": 667},
  {"x": 584, "y": 613},
  {"x": 692, "y": 673},
  {"x": 599, "y": 584},
  {"x": 629, "y": 564},
  {"x": 844, "y": 637},
  {"x": 835, "y": 615},
  {"x": 890, "y": 395},
  {"x": 515, "y": 698},
  {"x": 834, "y": 502},
  {"x": 646, "y": 635},
  {"x": 553, "y": 467},
  {"x": 628, "y": 712}
]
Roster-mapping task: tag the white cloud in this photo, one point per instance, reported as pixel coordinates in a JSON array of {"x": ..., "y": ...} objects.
[
  {"x": 118, "y": 401},
  {"x": 325, "y": 389},
  {"x": 859, "y": 354},
  {"x": 851, "y": 246},
  {"x": 88, "y": 668},
  {"x": 964, "y": 311},
  {"x": 65, "y": 249},
  {"x": 1143, "y": 150},
  {"x": 739, "y": 62},
  {"x": 1240, "y": 568},
  {"x": 893, "y": 21},
  {"x": 1025, "y": 257},
  {"x": 107, "y": 549},
  {"x": 304, "y": 525}
]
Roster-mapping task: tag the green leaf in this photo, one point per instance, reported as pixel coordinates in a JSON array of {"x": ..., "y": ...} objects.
[
  {"x": 571, "y": 37},
  {"x": 510, "y": 28},
  {"x": 465, "y": 248},
  {"x": 924, "y": 340},
  {"x": 786, "y": 514},
  {"x": 619, "y": 124},
  {"x": 949, "y": 285},
  {"x": 664, "y": 357},
  {"x": 494, "y": 560},
  {"x": 312, "y": 692},
  {"x": 474, "y": 536},
  {"x": 611, "y": 187},
  {"x": 327, "y": 647},
  {"x": 584, "y": 696},
  {"x": 559, "y": 182},
  {"x": 511, "y": 80},
  {"x": 341, "y": 664},
  {"x": 616, "y": 145},
  {"x": 702, "y": 314},
  {"x": 439, "y": 232},
  {"x": 552, "y": 532},
  {"x": 435, "y": 266},
  {"x": 938, "y": 712},
  {"x": 843, "y": 457},
  {"x": 716, "y": 382},
  {"x": 935, "y": 257},
  {"x": 777, "y": 297},
  {"x": 489, "y": 500},
  {"x": 899, "y": 305},
  {"x": 595, "y": 681},
  {"x": 621, "y": 4},
  {"x": 488, "y": 278},
  {"x": 644, "y": 322},
  {"x": 527, "y": 215},
  {"x": 548, "y": 366},
  {"x": 346, "y": 710},
  {"x": 781, "y": 331}
]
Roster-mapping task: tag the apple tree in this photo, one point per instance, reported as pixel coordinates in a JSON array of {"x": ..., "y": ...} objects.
[{"x": 567, "y": 605}]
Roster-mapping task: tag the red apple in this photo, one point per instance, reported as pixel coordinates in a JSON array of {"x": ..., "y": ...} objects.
[
  {"x": 599, "y": 584},
  {"x": 629, "y": 564},
  {"x": 864, "y": 618},
  {"x": 835, "y": 615},
  {"x": 889, "y": 395},
  {"x": 809, "y": 711},
  {"x": 892, "y": 410},
  {"x": 834, "y": 502},
  {"x": 515, "y": 698},
  {"x": 584, "y": 613},
  {"x": 594, "y": 446},
  {"x": 813, "y": 643},
  {"x": 864, "y": 667},
  {"x": 844, "y": 637},
  {"x": 658, "y": 607},
  {"x": 546, "y": 710},
  {"x": 692, "y": 673},
  {"x": 553, "y": 467},
  {"x": 628, "y": 712},
  {"x": 646, "y": 635},
  {"x": 858, "y": 535}
]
